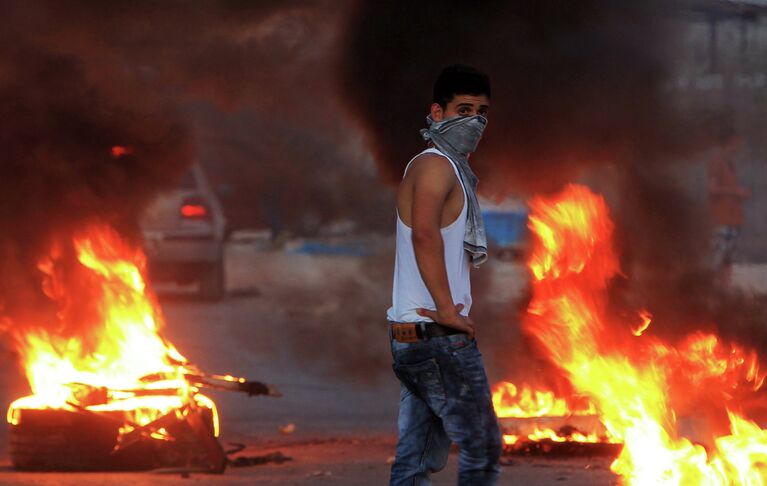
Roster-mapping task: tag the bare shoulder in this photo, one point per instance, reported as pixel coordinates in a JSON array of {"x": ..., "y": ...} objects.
[{"x": 431, "y": 166}]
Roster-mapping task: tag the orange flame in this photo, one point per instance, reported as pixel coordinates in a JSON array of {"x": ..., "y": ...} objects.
[
  {"x": 540, "y": 434},
  {"x": 113, "y": 348},
  {"x": 525, "y": 402},
  {"x": 511, "y": 401},
  {"x": 636, "y": 386},
  {"x": 642, "y": 327}
]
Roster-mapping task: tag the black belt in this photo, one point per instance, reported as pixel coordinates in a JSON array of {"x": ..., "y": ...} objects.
[{"x": 409, "y": 332}]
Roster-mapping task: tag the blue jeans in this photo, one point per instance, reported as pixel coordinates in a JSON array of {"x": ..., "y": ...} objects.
[
  {"x": 725, "y": 243},
  {"x": 444, "y": 397}
]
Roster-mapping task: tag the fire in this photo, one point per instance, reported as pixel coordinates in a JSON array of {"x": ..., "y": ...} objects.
[
  {"x": 105, "y": 352},
  {"x": 539, "y": 435},
  {"x": 640, "y": 388},
  {"x": 510, "y": 401},
  {"x": 646, "y": 318}
]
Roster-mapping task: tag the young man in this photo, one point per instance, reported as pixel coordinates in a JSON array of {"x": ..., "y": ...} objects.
[
  {"x": 725, "y": 198},
  {"x": 444, "y": 392}
]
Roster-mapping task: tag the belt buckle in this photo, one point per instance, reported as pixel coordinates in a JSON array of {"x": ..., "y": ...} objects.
[{"x": 404, "y": 333}]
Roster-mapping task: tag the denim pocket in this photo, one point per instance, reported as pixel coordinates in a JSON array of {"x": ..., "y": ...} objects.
[
  {"x": 463, "y": 346},
  {"x": 425, "y": 380}
]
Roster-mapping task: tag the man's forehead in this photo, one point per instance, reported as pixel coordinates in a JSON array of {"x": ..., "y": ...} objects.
[{"x": 470, "y": 99}]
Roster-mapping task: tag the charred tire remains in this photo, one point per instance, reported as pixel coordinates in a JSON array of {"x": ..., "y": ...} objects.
[{"x": 63, "y": 440}]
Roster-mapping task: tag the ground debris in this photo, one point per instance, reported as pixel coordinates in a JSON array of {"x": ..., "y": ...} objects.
[
  {"x": 320, "y": 473},
  {"x": 247, "y": 461}
]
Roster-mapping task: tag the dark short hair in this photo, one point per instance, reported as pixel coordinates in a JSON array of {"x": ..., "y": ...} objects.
[{"x": 459, "y": 79}]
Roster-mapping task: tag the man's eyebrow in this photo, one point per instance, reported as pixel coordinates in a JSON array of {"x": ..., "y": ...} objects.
[{"x": 471, "y": 105}]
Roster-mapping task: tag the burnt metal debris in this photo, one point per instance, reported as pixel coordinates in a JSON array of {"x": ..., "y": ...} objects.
[{"x": 81, "y": 439}]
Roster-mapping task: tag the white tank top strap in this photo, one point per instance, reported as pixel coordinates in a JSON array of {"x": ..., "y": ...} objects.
[{"x": 432, "y": 150}]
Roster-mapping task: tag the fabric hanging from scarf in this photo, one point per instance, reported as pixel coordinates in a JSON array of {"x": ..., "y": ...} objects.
[{"x": 457, "y": 137}]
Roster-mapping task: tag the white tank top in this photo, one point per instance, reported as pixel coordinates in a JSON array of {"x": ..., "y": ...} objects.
[{"x": 409, "y": 292}]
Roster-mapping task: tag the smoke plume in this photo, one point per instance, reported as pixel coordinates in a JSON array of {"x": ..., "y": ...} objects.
[
  {"x": 575, "y": 83},
  {"x": 105, "y": 104},
  {"x": 578, "y": 95},
  {"x": 57, "y": 131}
]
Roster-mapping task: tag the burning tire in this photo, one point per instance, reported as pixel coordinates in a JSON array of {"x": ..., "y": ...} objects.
[
  {"x": 118, "y": 396},
  {"x": 62, "y": 440},
  {"x": 59, "y": 440}
]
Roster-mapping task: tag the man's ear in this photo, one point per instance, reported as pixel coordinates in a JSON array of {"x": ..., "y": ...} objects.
[{"x": 437, "y": 113}]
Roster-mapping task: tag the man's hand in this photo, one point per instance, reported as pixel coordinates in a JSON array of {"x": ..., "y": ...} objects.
[{"x": 452, "y": 319}]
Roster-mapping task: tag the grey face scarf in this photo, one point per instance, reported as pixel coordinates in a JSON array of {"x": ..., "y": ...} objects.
[{"x": 457, "y": 137}]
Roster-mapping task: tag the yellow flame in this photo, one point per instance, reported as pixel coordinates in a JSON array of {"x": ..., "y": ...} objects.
[
  {"x": 550, "y": 434},
  {"x": 511, "y": 401},
  {"x": 646, "y": 321},
  {"x": 632, "y": 383},
  {"x": 108, "y": 358}
]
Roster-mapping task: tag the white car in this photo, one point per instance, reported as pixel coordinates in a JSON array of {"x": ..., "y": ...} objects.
[{"x": 184, "y": 232}]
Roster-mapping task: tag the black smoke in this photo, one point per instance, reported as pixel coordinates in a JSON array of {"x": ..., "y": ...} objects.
[
  {"x": 58, "y": 172},
  {"x": 255, "y": 80},
  {"x": 575, "y": 83},
  {"x": 579, "y": 94},
  {"x": 78, "y": 78}
]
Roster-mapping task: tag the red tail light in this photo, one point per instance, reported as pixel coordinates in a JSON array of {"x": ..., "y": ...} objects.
[
  {"x": 120, "y": 151},
  {"x": 194, "y": 208}
]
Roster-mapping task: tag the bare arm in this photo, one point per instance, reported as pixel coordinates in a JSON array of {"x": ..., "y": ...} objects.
[{"x": 434, "y": 179}]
